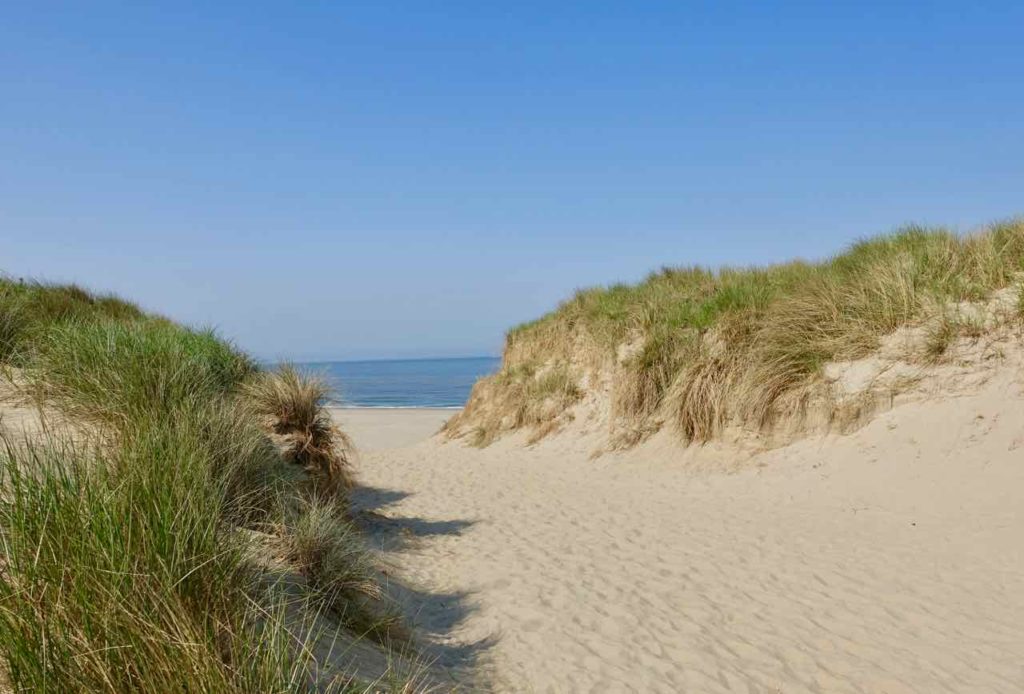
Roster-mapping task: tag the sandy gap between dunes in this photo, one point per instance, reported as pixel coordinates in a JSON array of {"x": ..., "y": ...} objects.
[{"x": 889, "y": 560}]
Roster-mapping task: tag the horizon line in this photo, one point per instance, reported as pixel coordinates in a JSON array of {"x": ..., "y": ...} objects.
[{"x": 378, "y": 359}]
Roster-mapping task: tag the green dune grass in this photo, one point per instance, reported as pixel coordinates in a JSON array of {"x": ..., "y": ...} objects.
[{"x": 127, "y": 555}]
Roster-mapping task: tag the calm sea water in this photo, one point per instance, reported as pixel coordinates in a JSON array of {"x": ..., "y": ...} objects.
[{"x": 404, "y": 382}]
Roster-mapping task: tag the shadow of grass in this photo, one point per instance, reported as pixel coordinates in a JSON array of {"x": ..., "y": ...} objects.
[
  {"x": 434, "y": 616},
  {"x": 364, "y": 498},
  {"x": 395, "y": 534}
]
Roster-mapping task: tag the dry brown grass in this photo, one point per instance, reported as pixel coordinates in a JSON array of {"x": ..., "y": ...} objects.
[
  {"x": 522, "y": 397},
  {"x": 294, "y": 406}
]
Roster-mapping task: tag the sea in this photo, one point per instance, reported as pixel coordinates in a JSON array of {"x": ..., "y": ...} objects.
[{"x": 403, "y": 383}]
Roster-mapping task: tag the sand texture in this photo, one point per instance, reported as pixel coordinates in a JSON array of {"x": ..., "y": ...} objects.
[
  {"x": 887, "y": 560},
  {"x": 375, "y": 428}
]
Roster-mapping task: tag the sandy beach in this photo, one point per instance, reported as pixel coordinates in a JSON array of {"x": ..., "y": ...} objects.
[
  {"x": 889, "y": 560},
  {"x": 374, "y": 428}
]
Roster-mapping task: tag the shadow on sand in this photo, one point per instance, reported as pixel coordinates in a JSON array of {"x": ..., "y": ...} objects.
[
  {"x": 433, "y": 615},
  {"x": 364, "y": 498}
]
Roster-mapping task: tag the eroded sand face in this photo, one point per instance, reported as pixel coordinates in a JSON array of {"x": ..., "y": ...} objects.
[{"x": 889, "y": 560}]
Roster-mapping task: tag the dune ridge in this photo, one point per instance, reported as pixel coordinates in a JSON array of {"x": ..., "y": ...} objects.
[{"x": 706, "y": 353}]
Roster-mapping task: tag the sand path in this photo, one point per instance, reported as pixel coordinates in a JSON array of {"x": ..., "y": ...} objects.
[{"x": 890, "y": 560}]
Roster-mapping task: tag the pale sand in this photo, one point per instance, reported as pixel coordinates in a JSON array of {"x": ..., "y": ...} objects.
[
  {"x": 375, "y": 428},
  {"x": 889, "y": 560}
]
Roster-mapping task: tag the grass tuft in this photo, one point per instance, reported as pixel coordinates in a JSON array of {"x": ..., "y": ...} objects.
[
  {"x": 295, "y": 405},
  {"x": 118, "y": 575}
]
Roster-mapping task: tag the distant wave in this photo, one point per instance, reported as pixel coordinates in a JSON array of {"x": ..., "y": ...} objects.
[
  {"x": 350, "y": 406},
  {"x": 436, "y": 384}
]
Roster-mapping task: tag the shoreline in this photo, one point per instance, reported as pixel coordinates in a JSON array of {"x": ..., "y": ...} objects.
[
  {"x": 396, "y": 410},
  {"x": 443, "y": 408}
]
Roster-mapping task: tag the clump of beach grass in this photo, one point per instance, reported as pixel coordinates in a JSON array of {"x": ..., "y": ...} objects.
[
  {"x": 118, "y": 576},
  {"x": 700, "y": 349},
  {"x": 328, "y": 550},
  {"x": 295, "y": 405}
]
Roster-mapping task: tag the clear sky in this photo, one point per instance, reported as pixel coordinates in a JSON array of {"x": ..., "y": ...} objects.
[{"x": 381, "y": 179}]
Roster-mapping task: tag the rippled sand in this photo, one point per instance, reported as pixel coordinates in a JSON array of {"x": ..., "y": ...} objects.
[{"x": 889, "y": 560}]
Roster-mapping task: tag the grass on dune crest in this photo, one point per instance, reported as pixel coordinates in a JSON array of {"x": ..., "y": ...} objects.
[
  {"x": 126, "y": 560},
  {"x": 118, "y": 372},
  {"x": 702, "y": 348},
  {"x": 28, "y": 307}
]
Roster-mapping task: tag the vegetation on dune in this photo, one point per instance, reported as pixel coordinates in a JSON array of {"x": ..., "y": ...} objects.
[
  {"x": 29, "y": 307},
  {"x": 527, "y": 395},
  {"x": 703, "y": 348},
  {"x": 119, "y": 372},
  {"x": 130, "y": 546}
]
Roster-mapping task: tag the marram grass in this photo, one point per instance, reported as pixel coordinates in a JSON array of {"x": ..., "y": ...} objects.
[
  {"x": 697, "y": 349},
  {"x": 126, "y": 559}
]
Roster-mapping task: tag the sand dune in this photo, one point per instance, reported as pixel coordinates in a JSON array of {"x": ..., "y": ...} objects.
[{"x": 889, "y": 560}]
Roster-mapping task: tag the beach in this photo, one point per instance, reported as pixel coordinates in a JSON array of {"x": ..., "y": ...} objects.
[
  {"x": 887, "y": 560},
  {"x": 375, "y": 428}
]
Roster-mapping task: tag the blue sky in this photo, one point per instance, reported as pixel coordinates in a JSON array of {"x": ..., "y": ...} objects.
[{"x": 383, "y": 179}]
